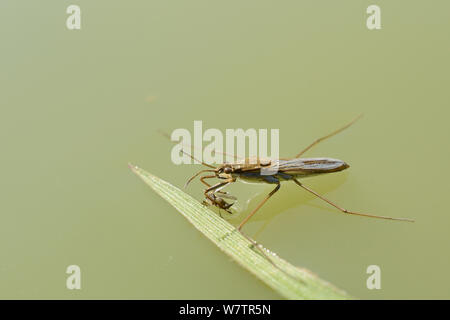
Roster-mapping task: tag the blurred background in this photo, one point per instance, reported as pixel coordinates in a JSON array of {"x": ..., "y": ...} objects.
[{"x": 78, "y": 105}]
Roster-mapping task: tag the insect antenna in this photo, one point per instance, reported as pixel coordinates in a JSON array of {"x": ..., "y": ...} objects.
[
  {"x": 167, "y": 136},
  {"x": 213, "y": 168},
  {"x": 195, "y": 159},
  {"x": 201, "y": 171}
]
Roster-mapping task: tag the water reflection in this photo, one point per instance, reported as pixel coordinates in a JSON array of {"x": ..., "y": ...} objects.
[{"x": 289, "y": 196}]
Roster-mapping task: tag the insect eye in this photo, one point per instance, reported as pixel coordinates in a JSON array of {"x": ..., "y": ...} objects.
[{"x": 227, "y": 170}]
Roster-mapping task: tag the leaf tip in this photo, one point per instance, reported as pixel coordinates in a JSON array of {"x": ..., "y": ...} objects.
[{"x": 132, "y": 167}]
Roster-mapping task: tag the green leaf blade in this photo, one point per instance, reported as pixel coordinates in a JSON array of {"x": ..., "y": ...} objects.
[{"x": 289, "y": 281}]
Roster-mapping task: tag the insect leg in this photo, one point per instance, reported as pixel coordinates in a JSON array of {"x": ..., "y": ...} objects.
[
  {"x": 223, "y": 194},
  {"x": 260, "y": 248},
  {"x": 327, "y": 136},
  {"x": 207, "y": 177},
  {"x": 259, "y": 206},
  {"x": 347, "y": 211},
  {"x": 219, "y": 185},
  {"x": 196, "y": 175}
]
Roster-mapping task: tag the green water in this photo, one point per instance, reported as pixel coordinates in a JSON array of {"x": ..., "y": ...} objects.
[{"x": 77, "y": 106}]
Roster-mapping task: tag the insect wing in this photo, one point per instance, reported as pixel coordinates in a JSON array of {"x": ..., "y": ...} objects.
[{"x": 305, "y": 166}]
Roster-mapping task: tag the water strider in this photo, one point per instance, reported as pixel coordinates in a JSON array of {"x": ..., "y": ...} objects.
[
  {"x": 283, "y": 170},
  {"x": 272, "y": 171}
]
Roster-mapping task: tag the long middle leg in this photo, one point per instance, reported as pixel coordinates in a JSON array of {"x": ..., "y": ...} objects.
[
  {"x": 345, "y": 210},
  {"x": 258, "y": 206},
  {"x": 255, "y": 244}
]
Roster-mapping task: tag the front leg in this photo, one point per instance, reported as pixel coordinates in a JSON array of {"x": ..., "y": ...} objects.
[
  {"x": 222, "y": 193},
  {"x": 217, "y": 187}
]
